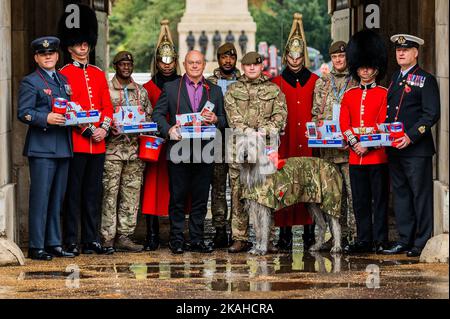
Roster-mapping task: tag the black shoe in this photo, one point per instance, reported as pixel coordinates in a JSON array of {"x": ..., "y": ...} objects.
[
  {"x": 221, "y": 238},
  {"x": 358, "y": 248},
  {"x": 176, "y": 248},
  {"x": 39, "y": 254},
  {"x": 396, "y": 249},
  {"x": 200, "y": 247},
  {"x": 414, "y": 252},
  {"x": 151, "y": 243},
  {"x": 97, "y": 248},
  {"x": 58, "y": 251},
  {"x": 73, "y": 249},
  {"x": 378, "y": 248}
]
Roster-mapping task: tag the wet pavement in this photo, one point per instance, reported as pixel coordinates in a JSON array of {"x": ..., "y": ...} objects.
[{"x": 221, "y": 275}]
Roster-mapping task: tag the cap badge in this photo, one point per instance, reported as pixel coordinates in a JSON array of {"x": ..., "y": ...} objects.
[
  {"x": 401, "y": 40},
  {"x": 45, "y": 44}
]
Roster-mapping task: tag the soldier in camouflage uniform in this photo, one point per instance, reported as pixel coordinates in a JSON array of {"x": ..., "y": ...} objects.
[
  {"x": 252, "y": 104},
  {"x": 223, "y": 76},
  {"x": 122, "y": 178},
  {"x": 328, "y": 92}
]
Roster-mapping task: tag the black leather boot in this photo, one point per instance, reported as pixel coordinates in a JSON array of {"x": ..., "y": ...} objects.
[
  {"x": 221, "y": 238},
  {"x": 308, "y": 236},
  {"x": 152, "y": 239},
  {"x": 285, "y": 240}
]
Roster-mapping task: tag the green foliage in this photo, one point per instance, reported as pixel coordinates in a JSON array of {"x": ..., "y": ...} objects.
[
  {"x": 274, "y": 21},
  {"x": 134, "y": 24}
]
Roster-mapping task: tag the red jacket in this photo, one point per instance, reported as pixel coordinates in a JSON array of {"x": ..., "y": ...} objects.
[
  {"x": 364, "y": 109},
  {"x": 299, "y": 104},
  {"x": 153, "y": 92},
  {"x": 90, "y": 90}
]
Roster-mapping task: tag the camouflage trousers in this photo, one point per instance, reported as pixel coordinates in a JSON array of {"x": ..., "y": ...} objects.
[
  {"x": 347, "y": 219},
  {"x": 239, "y": 217},
  {"x": 219, "y": 207},
  {"x": 122, "y": 182}
]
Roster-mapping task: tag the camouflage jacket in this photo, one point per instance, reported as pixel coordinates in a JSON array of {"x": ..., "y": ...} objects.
[
  {"x": 253, "y": 105},
  {"x": 322, "y": 109},
  {"x": 217, "y": 75},
  {"x": 124, "y": 147},
  {"x": 301, "y": 180}
]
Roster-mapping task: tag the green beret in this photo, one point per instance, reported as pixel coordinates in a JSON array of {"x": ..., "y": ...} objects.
[
  {"x": 123, "y": 56},
  {"x": 338, "y": 47},
  {"x": 227, "y": 48},
  {"x": 252, "y": 58}
]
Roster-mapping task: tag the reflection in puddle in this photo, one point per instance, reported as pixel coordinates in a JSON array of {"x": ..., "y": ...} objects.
[
  {"x": 244, "y": 286},
  {"x": 250, "y": 274},
  {"x": 252, "y": 267}
]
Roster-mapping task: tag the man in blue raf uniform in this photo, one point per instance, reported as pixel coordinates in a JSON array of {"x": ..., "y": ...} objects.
[
  {"x": 48, "y": 146},
  {"x": 413, "y": 99}
]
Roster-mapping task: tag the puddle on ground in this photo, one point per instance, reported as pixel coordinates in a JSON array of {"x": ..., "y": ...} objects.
[
  {"x": 252, "y": 267},
  {"x": 245, "y": 286},
  {"x": 49, "y": 275}
]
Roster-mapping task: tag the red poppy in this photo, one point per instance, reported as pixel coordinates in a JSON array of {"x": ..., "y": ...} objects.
[
  {"x": 281, "y": 194},
  {"x": 407, "y": 89}
]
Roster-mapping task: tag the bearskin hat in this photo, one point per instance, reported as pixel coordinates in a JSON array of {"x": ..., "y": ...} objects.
[
  {"x": 87, "y": 31},
  {"x": 367, "y": 49}
]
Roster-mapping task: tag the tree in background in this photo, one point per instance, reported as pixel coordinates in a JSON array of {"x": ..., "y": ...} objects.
[
  {"x": 134, "y": 24},
  {"x": 274, "y": 20}
]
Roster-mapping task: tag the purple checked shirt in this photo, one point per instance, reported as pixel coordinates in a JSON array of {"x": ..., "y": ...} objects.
[{"x": 195, "y": 93}]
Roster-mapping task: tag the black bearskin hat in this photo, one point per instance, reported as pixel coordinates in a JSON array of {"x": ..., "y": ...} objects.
[
  {"x": 367, "y": 49},
  {"x": 87, "y": 31}
]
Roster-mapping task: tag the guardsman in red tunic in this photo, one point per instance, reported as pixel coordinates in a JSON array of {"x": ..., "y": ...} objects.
[
  {"x": 362, "y": 108},
  {"x": 155, "y": 202},
  {"x": 90, "y": 90},
  {"x": 298, "y": 84}
]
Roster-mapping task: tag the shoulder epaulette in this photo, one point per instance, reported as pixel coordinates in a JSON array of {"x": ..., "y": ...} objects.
[{"x": 65, "y": 66}]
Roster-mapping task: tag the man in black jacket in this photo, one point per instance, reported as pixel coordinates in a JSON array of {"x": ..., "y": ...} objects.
[
  {"x": 190, "y": 170},
  {"x": 413, "y": 99}
]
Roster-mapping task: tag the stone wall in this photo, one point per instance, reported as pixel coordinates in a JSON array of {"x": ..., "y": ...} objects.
[
  {"x": 6, "y": 188},
  {"x": 441, "y": 197}
]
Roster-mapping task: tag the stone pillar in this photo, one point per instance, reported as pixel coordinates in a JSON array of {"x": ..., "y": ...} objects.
[
  {"x": 441, "y": 184},
  {"x": 212, "y": 15},
  {"x": 10, "y": 254},
  {"x": 436, "y": 249}
]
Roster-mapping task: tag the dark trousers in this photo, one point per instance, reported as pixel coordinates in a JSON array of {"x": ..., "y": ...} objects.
[
  {"x": 48, "y": 185},
  {"x": 185, "y": 179},
  {"x": 84, "y": 197},
  {"x": 370, "y": 193},
  {"x": 412, "y": 188}
]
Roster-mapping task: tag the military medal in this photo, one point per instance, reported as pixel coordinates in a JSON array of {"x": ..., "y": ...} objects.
[{"x": 68, "y": 89}]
